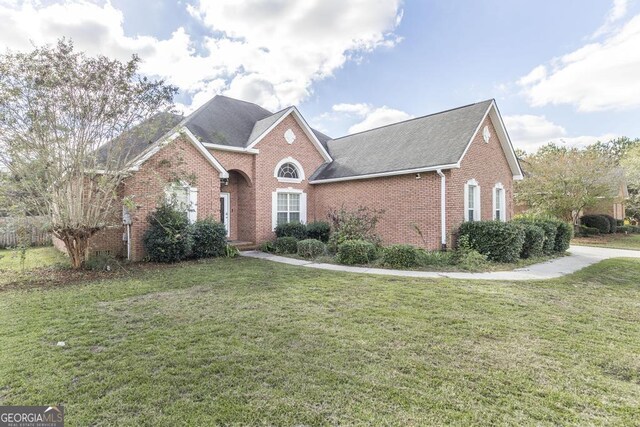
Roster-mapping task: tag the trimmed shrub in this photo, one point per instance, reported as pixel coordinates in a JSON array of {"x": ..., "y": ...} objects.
[
  {"x": 101, "y": 262},
  {"x": 209, "y": 238},
  {"x": 563, "y": 236},
  {"x": 583, "y": 230},
  {"x": 311, "y": 248},
  {"x": 596, "y": 221},
  {"x": 466, "y": 257},
  {"x": 319, "y": 230},
  {"x": 268, "y": 247},
  {"x": 620, "y": 222},
  {"x": 356, "y": 252},
  {"x": 286, "y": 245},
  {"x": 613, "y": 223},
  {"x": 167, "y": 237},
  {"x": 292, "y": 229},
  {"x": 400, "y": 256},
  {"x": 533, "y": 241},
  {"x": 550, "y": 229},
  {"x": 499, "y": 241}
]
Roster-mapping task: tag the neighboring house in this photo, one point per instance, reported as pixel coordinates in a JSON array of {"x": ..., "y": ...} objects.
[
  {"x": 253, "y": 169},
  {"x": 614, "y": 207}
]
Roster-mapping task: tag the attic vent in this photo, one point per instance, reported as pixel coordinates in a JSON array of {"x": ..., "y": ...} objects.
[
  {"x": 289, "y": 136},
  {"x": 486, "y": 134}
]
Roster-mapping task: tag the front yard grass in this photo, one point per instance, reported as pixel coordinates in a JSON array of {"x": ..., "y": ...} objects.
[
  {"x": 613, "y": 241},
  {"x": 12, "y": 268},
  {"x": 246, "y": 342}
]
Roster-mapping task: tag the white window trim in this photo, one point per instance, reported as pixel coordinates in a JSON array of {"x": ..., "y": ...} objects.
[
  {"x": 227, "y": 204},
  {"x": 477, "y": 216},
  {"x": 502, "y": 207},
  {"x": 294, "y": 162},
  {"x": 274, "y": 205},
  {"x": 192, "y": 198}
]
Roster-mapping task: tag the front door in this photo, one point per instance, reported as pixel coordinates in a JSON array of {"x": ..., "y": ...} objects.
[{"x": 224, "y": 211}]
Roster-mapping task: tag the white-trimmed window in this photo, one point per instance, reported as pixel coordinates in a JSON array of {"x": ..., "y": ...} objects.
[
  {"x": 289, "y": 170},
  {"x": 472, "y": 201},
  {"x": 499, "y": 203},
  {"x": 183, "y": 197},
  {"x": 289, "y": 205}
]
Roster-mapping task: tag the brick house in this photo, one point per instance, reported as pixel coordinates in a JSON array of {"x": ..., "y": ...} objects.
[{"x": 252, "y": 169}]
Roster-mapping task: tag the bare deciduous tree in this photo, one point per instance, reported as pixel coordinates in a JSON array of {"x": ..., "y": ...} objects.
[{"x": 61, "y": 117}]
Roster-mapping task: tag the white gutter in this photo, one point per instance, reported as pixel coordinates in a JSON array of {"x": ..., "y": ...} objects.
[
  {"x": 383, "y": 174},
  {"x": 443, "y": 209}
]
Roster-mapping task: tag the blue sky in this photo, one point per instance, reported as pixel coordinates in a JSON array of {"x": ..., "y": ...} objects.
[{"x": 566, "y": 71}]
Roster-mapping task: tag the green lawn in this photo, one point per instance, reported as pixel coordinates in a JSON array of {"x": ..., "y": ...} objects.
[
  {"x": 12, "y": 269},
  {"x": 246, "y": 342},
  {"x": 615, "y": 241}
]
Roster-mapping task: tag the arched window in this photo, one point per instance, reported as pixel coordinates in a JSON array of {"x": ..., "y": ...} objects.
[{"x": 288, "y": 170}]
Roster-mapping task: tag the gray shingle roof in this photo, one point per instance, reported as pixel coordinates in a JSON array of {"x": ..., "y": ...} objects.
[
  {"x": 225, "y": 121},
  {"x": 433, "y": 140},
  {"x": 136, "y": 140},
  {"x": 264, "y": 124}
]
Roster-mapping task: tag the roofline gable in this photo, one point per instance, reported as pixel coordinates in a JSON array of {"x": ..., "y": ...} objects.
[
  {"x": 305, "y": 128},
  {"x": 494, "y": 114},
  {"x": 162, "y": 142}
]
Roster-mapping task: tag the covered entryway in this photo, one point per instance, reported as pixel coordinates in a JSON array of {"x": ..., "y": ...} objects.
[{"x": 237, "y": 207}]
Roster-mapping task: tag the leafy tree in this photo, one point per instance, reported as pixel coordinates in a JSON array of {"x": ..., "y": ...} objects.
[
  {"x": 563, "y": 181},
  {"x": 616, "y": 148},
  {"x": 58, "y": 109},
  {"x": 630, "y": 163}
]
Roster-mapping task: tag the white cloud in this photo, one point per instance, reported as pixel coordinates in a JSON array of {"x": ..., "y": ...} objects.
[
  {"x": 265, "y": 51},
  {"x": 359, "y": 109},
  {"x": 284, "y": 46},
  {"x": 360, "y": 116},
  {"x": 598, "y": 76},
  {"x": 529, "y": 132},
  {"x": 617, "y": 12},
  {"x": 379, "y": 117}
]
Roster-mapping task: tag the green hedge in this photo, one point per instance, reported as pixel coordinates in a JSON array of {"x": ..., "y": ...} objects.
[
  {"x": 613, "y": 223},
  {"x": 596, "y": 221},
  {"x": 400, "y": 256},
  {"x": 356, "y": 252},
  {"x": 533, "y": 241},
  {"x": 499, "y": 241},
  {"x": 209, "y": 238},
  {"x": 292, "y": 229},
  {"x": 286, "y": 245},
  {"x": 319, "y": 230},
  {"x": 629, "y": 229},
  {"x": 167, "y": 238},
  {"x": 583, "y": 230},
  {"x": 311, "y": 248},
  {"x": 563, "y": 236}
]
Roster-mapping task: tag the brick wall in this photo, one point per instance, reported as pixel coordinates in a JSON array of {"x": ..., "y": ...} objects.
[
  {"x": 487, "y": 164},
  {"x": 412, "y": 204}
]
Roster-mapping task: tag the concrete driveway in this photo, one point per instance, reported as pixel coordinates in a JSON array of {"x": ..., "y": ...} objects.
[{"x": 578, "y": 258}]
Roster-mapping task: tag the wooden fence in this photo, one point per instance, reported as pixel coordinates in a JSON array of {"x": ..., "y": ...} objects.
[{"x": 9, "y": 232}]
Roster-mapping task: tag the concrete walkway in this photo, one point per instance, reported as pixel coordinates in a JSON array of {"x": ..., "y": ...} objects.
[{"x": 578, "y": 258}]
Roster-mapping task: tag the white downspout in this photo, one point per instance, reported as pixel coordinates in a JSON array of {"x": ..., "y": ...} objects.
[
  {"x": 443, "y": 209},
  {"x": 128, "y": 242}
]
